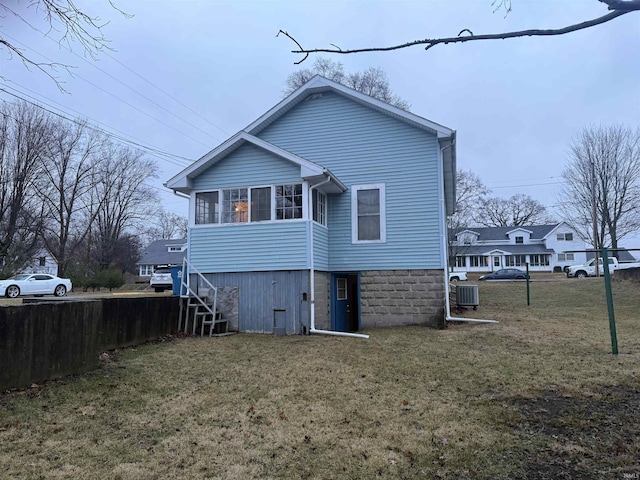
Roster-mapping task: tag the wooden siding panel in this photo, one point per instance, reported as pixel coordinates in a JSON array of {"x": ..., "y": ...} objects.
[
  {"x": 248, "y": 166},
  {"x": 260, "y": 293},
  {"x": 249, "y": 247},
  {"x": 361, "y": 146}
]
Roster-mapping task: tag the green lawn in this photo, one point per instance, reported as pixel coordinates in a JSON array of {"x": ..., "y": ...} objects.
[{"x": 538, "y": 395}]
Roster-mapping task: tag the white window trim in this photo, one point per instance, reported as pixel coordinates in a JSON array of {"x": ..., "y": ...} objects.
[{"x": 354, "y": 212}]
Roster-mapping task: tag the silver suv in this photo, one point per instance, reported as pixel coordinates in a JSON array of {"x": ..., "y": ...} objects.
[{"x": 161, "y": 279}]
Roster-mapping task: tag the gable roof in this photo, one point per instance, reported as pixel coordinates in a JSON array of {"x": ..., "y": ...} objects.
[
  {"x": 319, "y": 84},
  {"x": 501, "y": 233},
  {"x": 312, "y": 171},
  {"x": 309, "y": 170},
  {"x": 157, "y": 253}
]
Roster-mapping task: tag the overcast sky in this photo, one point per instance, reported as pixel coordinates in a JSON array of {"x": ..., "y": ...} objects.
[{"x": 186, "y": 75}]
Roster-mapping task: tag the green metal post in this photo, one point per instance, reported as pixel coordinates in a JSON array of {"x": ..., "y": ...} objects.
[
  {"x": 607, "y": 286},
  {"x": 528, "y": 294}
]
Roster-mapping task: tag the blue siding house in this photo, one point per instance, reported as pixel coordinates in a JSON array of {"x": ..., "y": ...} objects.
[{"x": 328, "y": 213}]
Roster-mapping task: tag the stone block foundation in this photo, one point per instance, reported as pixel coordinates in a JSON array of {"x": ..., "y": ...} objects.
[{"x": 402, "y": 297}]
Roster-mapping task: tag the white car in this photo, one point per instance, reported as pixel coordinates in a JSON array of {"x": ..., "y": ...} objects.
[
  {"x": 457, "y": 276},
  {"x": 161, "y": 279},
  {"x": 34, "y": 284}
]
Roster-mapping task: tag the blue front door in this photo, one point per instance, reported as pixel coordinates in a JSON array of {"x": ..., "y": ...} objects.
[{"x": 345, "y": 302}]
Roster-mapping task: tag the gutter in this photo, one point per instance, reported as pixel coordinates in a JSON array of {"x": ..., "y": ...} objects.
[
  {"x": 312, "y": 273},
  {"x": 445, "y": 251}
]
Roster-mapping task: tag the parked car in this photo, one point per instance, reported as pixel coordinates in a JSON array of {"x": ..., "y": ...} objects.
[
  {"x": 457, "y": 276},
  {"x": 505, "y": 274},
  {"x": 34, "y": 284},
  {"x": 161, "y": 279}
]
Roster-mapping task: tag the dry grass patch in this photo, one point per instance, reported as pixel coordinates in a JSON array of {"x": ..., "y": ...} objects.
[{"x": 526, "y": 398}]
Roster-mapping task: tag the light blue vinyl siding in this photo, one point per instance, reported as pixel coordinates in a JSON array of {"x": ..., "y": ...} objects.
[
  {"x": 248, "y": 166},
  {"x": 249, "y": 247},
  {"x": 320, "y": 247},
  {"x": 360, "y": 146}
]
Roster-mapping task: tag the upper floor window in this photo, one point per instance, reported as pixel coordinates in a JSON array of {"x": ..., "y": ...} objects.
[
  {"x": 243, "y": 205},
  {"x": 368, "y": 221},
  {"x": 519, "y": 239},
  {"x": 565, "y": 236},
  {"x": 42, "y": 261}
]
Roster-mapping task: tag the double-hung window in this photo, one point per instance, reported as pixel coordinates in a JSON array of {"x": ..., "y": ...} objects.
[
  {"x": 568, "y": 237},
  {"x": 368, "y": 222}
]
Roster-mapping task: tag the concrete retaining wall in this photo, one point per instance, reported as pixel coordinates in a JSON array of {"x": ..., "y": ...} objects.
[{"x": 47, "y": 340}]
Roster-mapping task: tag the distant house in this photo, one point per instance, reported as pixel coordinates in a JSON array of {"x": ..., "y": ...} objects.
[
  {"x": 162, "y": 252},
  {"x": 42, "y": 261},
  {"x": 328, "y": 213},
  {"x": 543, "y": 247}
]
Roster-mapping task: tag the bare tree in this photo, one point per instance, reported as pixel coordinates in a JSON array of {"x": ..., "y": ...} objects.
[
  {"x": 603, "y": 178},
  {"x": 75, "y": 152},
  {"x": 123, "y": 204},
  {"x": 24, "y": 135},
  {"x": 166, "y": 225},
  {"x": 617, "y": 8},
  {"x": 372, "y": 81},
  {"x": 516, "y": 211},
  {"x": 63, "y": 17},
  {"x": 469, "y": 192}
]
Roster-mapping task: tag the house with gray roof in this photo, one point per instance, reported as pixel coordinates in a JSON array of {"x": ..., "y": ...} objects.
[
  {"x": 544, "y": 247},
  {"x": 162, "y": 252}
]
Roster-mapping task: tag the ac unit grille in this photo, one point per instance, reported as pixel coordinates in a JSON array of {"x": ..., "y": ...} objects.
[{"x": 467, "y": 295}]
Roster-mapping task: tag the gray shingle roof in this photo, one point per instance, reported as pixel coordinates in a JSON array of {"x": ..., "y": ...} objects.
[
  {"x": 511, "y": 249},
  {"x": 500, "y": 233},
  {"x": 623, "y": 256},
  {"x": 157, "y": 253}
]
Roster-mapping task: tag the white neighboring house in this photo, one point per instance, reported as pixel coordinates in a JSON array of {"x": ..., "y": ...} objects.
[
  {"x": 546, "y": 248},
  {"x": 42, "y": 261},
  {"x": 162, "y": 252}
]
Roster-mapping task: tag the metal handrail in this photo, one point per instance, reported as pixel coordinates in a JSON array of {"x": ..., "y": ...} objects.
[{"x": 189, "y": 292}]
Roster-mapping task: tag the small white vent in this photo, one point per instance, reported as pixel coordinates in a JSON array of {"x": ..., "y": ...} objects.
[{"x": 467, "y": 295}]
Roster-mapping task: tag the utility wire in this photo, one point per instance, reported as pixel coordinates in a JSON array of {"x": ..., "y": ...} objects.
[
  {"x": 120, "y": 99},
  {"x": 169, "y": 157}
]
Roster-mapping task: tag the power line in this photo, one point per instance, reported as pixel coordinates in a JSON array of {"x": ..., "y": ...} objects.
[
  {"x": 121, "y": 100},
  {"x": 169, "y": 157}
]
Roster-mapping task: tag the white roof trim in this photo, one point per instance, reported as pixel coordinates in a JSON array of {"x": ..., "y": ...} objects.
[
  {"x": 319, "y": 84},
  {"x": 521, "y": 229},
  {"x": 551, "y": 232}
]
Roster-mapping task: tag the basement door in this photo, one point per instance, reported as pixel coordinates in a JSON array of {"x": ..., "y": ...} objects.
[{"x": 345, "y": 302}]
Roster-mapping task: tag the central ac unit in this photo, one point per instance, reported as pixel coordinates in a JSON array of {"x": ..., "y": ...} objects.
[{"x": 467, "y": 296}]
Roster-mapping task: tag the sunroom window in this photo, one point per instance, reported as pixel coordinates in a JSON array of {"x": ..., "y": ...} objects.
[
  {"x": 260, "y": 204},
  {"x": 319, "y": 207},
  {"x": 207, "y": 207},
  {"x": 288, "y": 201},
  {"x": 235, "y": 206}
]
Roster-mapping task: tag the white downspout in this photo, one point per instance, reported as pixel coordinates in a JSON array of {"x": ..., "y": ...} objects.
[
  {"x": 312, "y": 273},
  {"x": 445, "y": 252}
]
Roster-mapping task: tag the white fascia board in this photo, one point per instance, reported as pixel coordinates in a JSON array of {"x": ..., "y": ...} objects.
[
  {"x": 552, "y": 231},
  {"x": 497, "y": 251},
  {"x": 519, "y": 229}
]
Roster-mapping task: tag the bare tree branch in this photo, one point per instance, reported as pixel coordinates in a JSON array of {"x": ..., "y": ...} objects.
[{"x": 618, "y": 7}]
